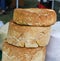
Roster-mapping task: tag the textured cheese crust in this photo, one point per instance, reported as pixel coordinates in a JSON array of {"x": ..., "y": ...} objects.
[
  {"x": 28, "y": 36},
  {"x": 34, "y": 16},
  {"x": 13, "y": 53}
]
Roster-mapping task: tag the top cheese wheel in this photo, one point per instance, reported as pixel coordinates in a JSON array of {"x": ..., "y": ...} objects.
[{"x": 34, "y": 16}]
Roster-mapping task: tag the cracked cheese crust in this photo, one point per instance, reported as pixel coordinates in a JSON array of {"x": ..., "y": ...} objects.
[
  {"x": 28, "y": 36},
  {"x": 34, "y": 16},
  {"x": 13, "y": 53}
]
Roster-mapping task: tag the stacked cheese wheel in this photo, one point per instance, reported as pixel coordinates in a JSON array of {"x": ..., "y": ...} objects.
[{"x": 28, "y": 35}]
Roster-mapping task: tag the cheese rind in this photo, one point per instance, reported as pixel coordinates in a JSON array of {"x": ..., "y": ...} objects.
[
  {"x": 28, "y": 36},
  {"x": 34, "y": 16},
  {"x": 13, "y": 53}
]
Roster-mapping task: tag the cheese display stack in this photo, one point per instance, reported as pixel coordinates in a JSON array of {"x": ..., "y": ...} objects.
[{"x": 28, "y": 35}]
